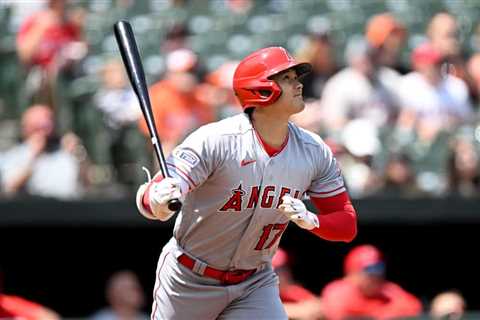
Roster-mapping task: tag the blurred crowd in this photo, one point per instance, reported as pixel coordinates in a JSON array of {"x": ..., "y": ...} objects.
[
  {"x": 399, "y": 110},
  {"x": 363, "y": 292}
]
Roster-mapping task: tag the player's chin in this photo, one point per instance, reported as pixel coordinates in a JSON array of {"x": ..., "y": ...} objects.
[{"x": 298, "y": 104}]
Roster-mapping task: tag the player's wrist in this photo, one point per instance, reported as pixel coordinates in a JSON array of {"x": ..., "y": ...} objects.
[
  {"x": 297, "y": 212},
  {"x": 140, "y": 201},
  {"x": 160, "y": 194},
  {"x": 313, "y": 221}
]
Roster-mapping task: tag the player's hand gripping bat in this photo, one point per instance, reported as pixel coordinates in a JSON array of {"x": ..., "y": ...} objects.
[{"x": 133, "y": 64}]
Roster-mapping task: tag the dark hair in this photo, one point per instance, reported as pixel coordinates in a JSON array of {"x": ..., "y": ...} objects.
[
  {"x": 178, "y": 30},
  {"x": 249, "y": 111}
]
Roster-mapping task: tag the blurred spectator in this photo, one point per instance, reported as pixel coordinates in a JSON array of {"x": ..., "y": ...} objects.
[
  {"x": 115, "y": 98},
  {"x": 21, "y": 10},
  {"x": 14, "y": 307},
  {"x": 425, "y": 143},
  {"x": 319, "y": 52},
  {"x": 464, "y": 164},
  {"x": 361, "y": 146},
  {"x": 442, "y": 31},
  {"x": 176, "y": 38},
  {"x": 364, "y": 291},
  {"x": 240, "y": 7},
  {"x": 299, "y": 303},
  {"x": 386, "y": 35},
  {"x": 43, "y": 164},
  {"x": 439, "y": 105},
  {"x": 443, "y": 34},
  {"x": 125, "y": 298},
  {"x": 216, "y": 92},
  {"x": 126, "y": 146},
  {"x": 364, "y": 89},
  {"x": 474, "y": 72},
  {"x": 46, "y": 38},
  {"x": 48, "y": 42},
  {"x": 438, "y": 97},
  {"x": 399, "y": 177},
  {"x": 449, "y": 305},
  {"x": 176, "y": 108}
]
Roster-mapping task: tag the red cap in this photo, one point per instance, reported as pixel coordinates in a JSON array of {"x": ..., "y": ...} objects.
[
  {"x": 426, "y": 54},
  {"x": 381, "y": 26},
  {"x": 280, "y": 258},
  {"x": 362, "y": 257}
]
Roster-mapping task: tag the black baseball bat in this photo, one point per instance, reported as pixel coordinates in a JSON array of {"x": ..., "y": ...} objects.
[{"x": 133, "y": 63}]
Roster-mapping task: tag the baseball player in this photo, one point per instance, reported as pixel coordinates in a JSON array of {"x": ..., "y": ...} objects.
[{"x": 241, "y": 181}]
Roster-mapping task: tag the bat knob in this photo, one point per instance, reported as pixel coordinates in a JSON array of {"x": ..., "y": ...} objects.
[{"x": 174, "y": 205}]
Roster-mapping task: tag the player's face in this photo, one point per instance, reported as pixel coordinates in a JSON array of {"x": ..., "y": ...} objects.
[{"x": 291, "y": 100}]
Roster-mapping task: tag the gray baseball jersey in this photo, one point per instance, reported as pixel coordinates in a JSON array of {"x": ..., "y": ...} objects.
[{"x": 229, "y": 218}]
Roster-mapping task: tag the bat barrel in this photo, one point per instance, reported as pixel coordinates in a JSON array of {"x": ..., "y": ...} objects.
[{"x": 133, "y": 63}]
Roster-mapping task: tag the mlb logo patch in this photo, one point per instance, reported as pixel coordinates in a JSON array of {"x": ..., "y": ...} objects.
[{"x": 187, "y": 156}]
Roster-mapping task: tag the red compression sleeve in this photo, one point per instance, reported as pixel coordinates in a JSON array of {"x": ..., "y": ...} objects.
[
  {"x": 338, "y": 219},
  {"x": 146, "y": 195}
]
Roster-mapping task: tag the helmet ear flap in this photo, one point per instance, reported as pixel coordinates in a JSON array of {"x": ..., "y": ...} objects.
[
  {"x": 270, "y": 94},
  {"x": 276, "y": 92},
  {"x": 261, "y": 93},
  {"x": 265, "y": 93}
]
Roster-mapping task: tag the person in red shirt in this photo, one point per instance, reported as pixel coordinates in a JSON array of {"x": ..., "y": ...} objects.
[
  {"x": 364, "y": 291},
  {"x": 13, "y": 307},
  {"x": 49, "y": 43},
  {"x": 46, "y": 37},
  {"x": 175, "y": 105},
  {"x": 299, "y": 302}
]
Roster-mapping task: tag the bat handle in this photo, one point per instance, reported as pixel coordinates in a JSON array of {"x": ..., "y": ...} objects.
[{"x": 174, "y": 205}]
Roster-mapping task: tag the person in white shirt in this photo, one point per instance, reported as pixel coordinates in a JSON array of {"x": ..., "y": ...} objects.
[
  {"x": 430, "y": 93},
  {"x": 44, "y": 164},
  {"x": 364, "y": 89}
]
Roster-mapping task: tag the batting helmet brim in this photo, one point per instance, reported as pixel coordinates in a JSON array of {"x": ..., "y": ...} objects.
[{"x": 301, "y": 68}]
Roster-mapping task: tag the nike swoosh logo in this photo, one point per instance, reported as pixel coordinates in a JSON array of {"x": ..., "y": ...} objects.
[{"x": 246, "y": 162}]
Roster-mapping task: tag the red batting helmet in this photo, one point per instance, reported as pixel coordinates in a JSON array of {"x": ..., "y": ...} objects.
[{"x": 251, "y": 80}]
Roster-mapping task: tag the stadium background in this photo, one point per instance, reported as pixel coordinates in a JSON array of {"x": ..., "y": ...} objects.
[{"x": 60, "y": 252}]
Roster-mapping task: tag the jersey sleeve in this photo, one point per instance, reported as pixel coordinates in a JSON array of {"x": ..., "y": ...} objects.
[
  {"x": 194, "y": 160},
  {"x": 328, "y": 180},
  {"x": 338, "y": 219}
]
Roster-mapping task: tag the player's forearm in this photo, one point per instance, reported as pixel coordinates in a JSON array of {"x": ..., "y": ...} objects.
[
  {"x": 337, "y": 226},
  {"x": 338, "y": 219}
]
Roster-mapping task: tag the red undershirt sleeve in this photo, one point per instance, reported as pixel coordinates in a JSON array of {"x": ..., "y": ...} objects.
[{"x": 338, "y": 219}]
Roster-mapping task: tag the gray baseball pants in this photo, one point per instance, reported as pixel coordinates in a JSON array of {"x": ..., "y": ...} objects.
[{"x": 181, "y": 294}]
